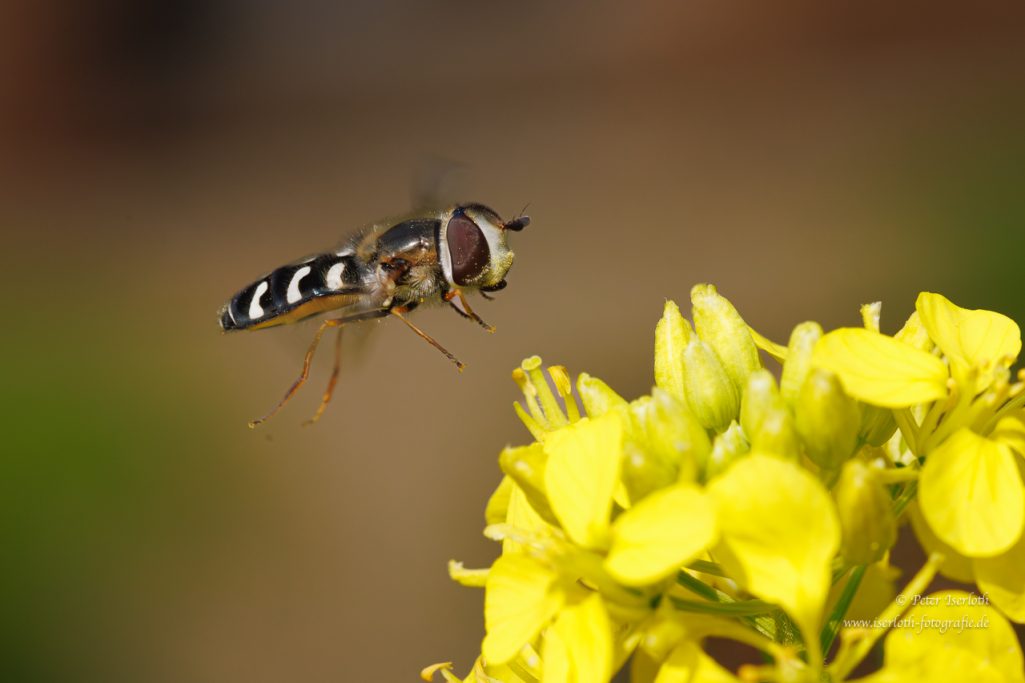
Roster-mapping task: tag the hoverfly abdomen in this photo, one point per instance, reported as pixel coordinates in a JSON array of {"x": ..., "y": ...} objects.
[{"x": 293, "y": 292}]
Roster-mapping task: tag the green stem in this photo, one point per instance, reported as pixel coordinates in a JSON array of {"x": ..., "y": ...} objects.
[
  {"x": 905, "y": 497},
  {"x": 851, "y": 653},
  {"x": 763, "y": 624},
  {"x": 706, "y": 567},
  {"x": 739, "y": 608},
  {"x": 701, "y": 588},
  {"x": 832, "y": 626}
]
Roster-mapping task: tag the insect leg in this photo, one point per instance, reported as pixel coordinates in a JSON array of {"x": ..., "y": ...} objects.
[
  {"x": 304, "y": 375},
  {"x": 466, "y": 311},
  {"x": 397, "y": 312},
  {"x": 331, "y": 382}
]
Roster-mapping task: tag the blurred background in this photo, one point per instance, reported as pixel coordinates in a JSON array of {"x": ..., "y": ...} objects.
[{"x": 155, "y": 157}]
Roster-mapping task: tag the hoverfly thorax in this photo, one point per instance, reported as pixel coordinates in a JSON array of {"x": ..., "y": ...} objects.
[{"x": 472, "y": 247}]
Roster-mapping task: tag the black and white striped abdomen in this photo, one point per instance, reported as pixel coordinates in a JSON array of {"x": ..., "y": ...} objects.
[{"x": 287, "y": 293}]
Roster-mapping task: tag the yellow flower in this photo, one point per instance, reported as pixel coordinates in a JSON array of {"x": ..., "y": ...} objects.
[
  {"x": 634, "y": 530},
  {"x": 779, "y": 535},
  {"x": 946, "y": 377}
]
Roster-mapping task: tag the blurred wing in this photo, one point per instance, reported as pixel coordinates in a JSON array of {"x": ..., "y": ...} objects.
[{"x": 436, "y": 182}]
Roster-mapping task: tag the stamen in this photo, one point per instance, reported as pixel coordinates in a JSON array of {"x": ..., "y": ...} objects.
[
  {"x": 939, "y": 409},
  {"x": 444, "y": 668},
  {"x": 870, "y": 314},
  {"x": 908, "y": 429},
  {"x": 563, "y": 385},
  {"x": 553, "y": 415},
  {"x": 529, "y": 393},
  {"x": 536, "y": 430},
  {"x": 1015, "y": 389}
]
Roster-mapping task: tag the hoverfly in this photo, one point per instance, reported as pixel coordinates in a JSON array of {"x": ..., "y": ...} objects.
[{"x": 388, "y": 269}]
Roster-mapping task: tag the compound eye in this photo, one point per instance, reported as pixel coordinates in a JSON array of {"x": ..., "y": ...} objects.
[{"x": 468, "y": 248}]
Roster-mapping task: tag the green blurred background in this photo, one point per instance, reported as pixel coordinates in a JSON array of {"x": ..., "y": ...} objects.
[{"x": 157, "y": 156}]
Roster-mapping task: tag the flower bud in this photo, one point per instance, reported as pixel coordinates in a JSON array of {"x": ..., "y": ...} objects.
[
  {"x": 765, "y": 418},
  {"x": 671, "y": 336},
  {"x": 663, "y": 444},
  {"x": 676, "y": 435},
  {"x": 718, "y": 323},
  {"x": 877, "y": 424},
  {"x": 798, "y": 363},
  {"x": 711, "y": 395},
  {"x": 525, "y": 465},
  {"x": 866, "y": 514},
  {"x": 727, "y": 448},
  {"x": 778, "y": 436},
  {"x": 761, "y": 397},
  {"x": 827, "y": 420},
  {"x": 598, "y": 398},
  {"x": 642, "y": 469},
  {"x": 642, "y": 472}
]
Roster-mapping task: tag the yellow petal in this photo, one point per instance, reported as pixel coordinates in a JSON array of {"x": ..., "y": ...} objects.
[
  {"x": 969, "y": 338},
  {"x": 955, "y": 565},
  {"x": 948, "y": 638},
  {"x": 522, "y": 516},
  {"x": 664, "y": 531},
  {"x": 519, "y": 599},
  {"x": 881, "y": 370},
  {"x": 526, "y": 466},
  {"x": 779, "y": 532},
  {"x": 585, "y": 632},
  {"x": 1002, "y": 580},
  {"x": 555, "y": 658},
  {"x": 498, "y": 503},
  {"x": 971, "y": 495},
  {"x": 581, "y": 475},
  {"x": 688, "y": 664}
]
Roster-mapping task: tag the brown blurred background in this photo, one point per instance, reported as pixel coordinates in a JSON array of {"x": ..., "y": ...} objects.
[{"x": 157, "y": 156}]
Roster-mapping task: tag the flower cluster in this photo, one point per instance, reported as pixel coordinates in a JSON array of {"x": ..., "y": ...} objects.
[{"x": 728, "y": 504}]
